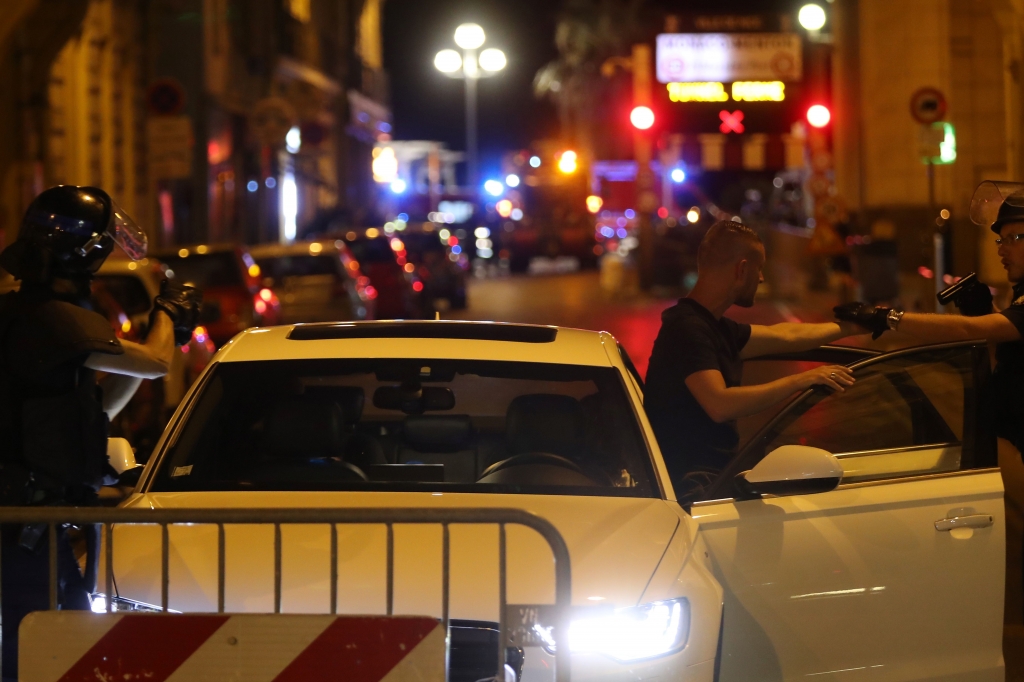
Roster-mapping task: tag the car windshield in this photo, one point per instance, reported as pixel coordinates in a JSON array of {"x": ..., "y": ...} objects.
[
  {"x": 420, "y": 425},
  {"x": 301, "y": 265},
  {"x": 220, "y": 269}
]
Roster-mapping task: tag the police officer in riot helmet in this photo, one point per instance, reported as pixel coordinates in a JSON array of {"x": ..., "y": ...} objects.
[{"x": 54, "y": 412}]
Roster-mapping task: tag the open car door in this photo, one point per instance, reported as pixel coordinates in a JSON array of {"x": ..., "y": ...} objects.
[{"x": 896, "y": 571}]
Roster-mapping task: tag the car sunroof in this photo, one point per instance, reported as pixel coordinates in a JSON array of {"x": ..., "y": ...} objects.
[{"x": 520, "y": 333}]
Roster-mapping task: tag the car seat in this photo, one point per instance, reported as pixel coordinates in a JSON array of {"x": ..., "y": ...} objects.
[
  {"x": 545, "y": 422},
  {"x": 305, "y": 438},
  {"x": 447, "y": 440},
  {"x": 361, "y": 448}
]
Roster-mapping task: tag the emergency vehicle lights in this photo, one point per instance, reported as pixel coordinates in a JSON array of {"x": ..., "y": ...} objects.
[
  {"x": 641, "y": 117},
  {"x": 697, "y": 92},
  {"x": 494, "y": 188},
  {"x": 385, "y": 165},
  {"x": 594, "y": 203},
  {"x": 678, "y": 175},
  {"x": 759, "y": 91},
  {"x": 819, "y": 116}
]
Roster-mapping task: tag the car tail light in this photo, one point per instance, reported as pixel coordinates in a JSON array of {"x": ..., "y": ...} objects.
[{"x": 417, "y": 286}]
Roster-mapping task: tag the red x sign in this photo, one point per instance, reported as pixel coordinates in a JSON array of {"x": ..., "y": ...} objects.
[{"x": 731, "y": 122}]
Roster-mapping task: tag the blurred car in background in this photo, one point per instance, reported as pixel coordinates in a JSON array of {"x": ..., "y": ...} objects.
[
  {"x": 233, "y": 298},
  {"x": 123, "y": 292},
  {"x": 444, "y": 280},
  {"x": 316, "y": 281},
  {"x": 384, "y": 261}
]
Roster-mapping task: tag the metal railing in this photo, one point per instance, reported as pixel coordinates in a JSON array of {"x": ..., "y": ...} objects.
[{"x": 445, "y": 517}]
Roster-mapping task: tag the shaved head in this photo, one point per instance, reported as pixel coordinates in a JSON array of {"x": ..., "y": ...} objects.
[{"x": 725, "y": 244}]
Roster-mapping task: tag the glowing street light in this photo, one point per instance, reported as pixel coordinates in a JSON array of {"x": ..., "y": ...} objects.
[
  {"x": 567, "y": 162},
  {"x": 469, "y": 36},
  {"x": 819, "y": 116},
  {"x": 811, "y": 17},
  {"x": 470, "y": 67}
]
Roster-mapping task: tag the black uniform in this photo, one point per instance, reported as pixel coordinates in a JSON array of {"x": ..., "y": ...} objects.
[
  {"x": 1008, "y": 377},
  {"x": 692, "y": 340},
  {"x": 53, "y": 437}
]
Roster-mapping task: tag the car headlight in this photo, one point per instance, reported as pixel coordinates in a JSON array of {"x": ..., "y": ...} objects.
[{"x": 634, "y": 633}]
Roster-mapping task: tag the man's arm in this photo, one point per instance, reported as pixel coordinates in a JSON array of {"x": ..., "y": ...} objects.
[
  {"x": 724, "y": 404},
  {"x": 995, "y": 327},
  {"x": 147, "y": 360},
  {"x": 118, "y": 389},
  {"x": 790, "y": 337}
]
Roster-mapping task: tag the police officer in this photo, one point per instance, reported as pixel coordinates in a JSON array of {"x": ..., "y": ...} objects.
[
  {"x": 999, "y": 206},
  {"x": 54, "y": 413}
]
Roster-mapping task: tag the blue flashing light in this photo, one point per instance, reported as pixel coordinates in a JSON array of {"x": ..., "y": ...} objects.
[
  {"x": 456, "y": 249},
  {"x": 404, "y": 217},
  {"x": 398, "y": 186},
  {"x": 252, "y": 185},
  {"x": 621, "y": 233},
  {"x": 607, "y": 232},
  {"x": 494, "y": 188},
  {"x": 678, "y": 175},
  {"x": 630, "y": 213}
]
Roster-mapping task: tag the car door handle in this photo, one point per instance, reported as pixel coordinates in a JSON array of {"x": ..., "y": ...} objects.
[{"x": 972, "y": 521}]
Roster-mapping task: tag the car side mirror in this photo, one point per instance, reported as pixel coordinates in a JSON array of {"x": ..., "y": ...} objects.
[
  {"x": 792, "y": 470},
  {"x": 120, "y": 455}
]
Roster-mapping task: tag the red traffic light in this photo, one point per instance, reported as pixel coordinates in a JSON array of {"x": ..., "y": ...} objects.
[
  {"x": 641, "y": 117},
  {"x": 819, "y": 116}
]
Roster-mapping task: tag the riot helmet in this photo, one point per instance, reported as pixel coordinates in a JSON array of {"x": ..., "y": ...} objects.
[
  {"x": 997, "y": 202},
  {"x": 69, "y": 231}
]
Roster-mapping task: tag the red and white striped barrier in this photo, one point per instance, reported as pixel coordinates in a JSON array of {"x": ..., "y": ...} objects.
[{"x": 70, "y": 646}]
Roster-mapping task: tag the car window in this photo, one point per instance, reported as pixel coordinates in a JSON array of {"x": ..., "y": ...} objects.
[
  {"x": 128, "y": 291},
  {"x": 206, "y": 270},
  {"x": 469, "y": 426},
  {"x": 904, "y": 416},
  {"x": 300, "y": 265}
]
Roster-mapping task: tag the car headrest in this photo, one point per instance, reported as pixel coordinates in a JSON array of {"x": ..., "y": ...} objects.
[
  {"x": 438, "y": 434},
  {"x": 543, "y": 422},
  {"x": 350, "y": 399},
  {"x": 305, "y": 426}
]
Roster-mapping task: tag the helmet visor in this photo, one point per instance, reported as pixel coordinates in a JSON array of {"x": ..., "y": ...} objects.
[
  {"x": 990, "y": 196},
  {"x": 127, "y": 234}
]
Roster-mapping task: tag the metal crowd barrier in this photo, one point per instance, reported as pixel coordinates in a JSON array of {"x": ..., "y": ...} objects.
[{"x": 56, "y": 516}]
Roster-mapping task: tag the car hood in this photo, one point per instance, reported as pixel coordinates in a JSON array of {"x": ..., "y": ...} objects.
[{"x": 615, "y": 545}]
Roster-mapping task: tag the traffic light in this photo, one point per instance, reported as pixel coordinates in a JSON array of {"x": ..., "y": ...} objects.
[
  {"x": 641, "y": 117},
  {"x": 818, "y": 116}
]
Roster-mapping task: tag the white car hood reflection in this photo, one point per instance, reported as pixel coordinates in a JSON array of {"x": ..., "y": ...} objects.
[{"x": 615, "y": 544}]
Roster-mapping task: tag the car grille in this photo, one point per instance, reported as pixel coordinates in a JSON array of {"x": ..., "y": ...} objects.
[{"x": 473, "y": 649}]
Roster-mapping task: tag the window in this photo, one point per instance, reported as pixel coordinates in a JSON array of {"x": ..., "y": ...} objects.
[
  {"x": 281, "y": 267},
  {"x": 904, "y": 416},
  {"x": 220, "y": 269},
  {"x": 420, "y": 425}
]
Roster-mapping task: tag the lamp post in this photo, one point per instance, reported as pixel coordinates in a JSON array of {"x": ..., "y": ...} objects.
[{"x": 470, "y": 66}]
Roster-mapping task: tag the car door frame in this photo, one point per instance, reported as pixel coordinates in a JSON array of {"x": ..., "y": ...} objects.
[{"x": 978, "y": 442}]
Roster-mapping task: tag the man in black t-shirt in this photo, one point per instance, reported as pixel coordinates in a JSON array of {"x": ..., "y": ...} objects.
[{"x": 693, "y": 394}]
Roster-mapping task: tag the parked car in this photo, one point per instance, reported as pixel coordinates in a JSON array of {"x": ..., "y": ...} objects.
[
  {"x": 233, "y": 297},
  {"x": 444, "y": 279},
  {"x": 316, "y": 281},
  {"x": 123, "y": 292},
  {"x": 861, "y": 530},
  {"x": 383, "y": 260}
]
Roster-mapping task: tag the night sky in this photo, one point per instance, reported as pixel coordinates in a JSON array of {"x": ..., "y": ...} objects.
[{"x": 429, "y": 106}]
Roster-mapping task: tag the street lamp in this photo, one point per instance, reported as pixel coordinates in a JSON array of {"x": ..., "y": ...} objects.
[{"x": 470, "y": 67}]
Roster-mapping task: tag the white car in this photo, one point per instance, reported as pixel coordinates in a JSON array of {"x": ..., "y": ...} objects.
[{"x": 881, "y": 559}]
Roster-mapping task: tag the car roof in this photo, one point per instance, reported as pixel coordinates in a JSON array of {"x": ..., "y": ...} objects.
[{"x": 428, "y": 339}]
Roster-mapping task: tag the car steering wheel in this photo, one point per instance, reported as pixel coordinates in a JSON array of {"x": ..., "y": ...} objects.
[{"x": 528, "y": 458}]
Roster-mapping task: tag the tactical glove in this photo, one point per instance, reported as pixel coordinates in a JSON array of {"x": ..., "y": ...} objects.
[
  {"x": 181, "y": 302},
  {"x": 866, "y": 315},
  {"x": 974, "y": 300}
]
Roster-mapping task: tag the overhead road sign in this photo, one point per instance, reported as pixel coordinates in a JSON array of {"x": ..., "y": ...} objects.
[{"x": 729, "y": 57}]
